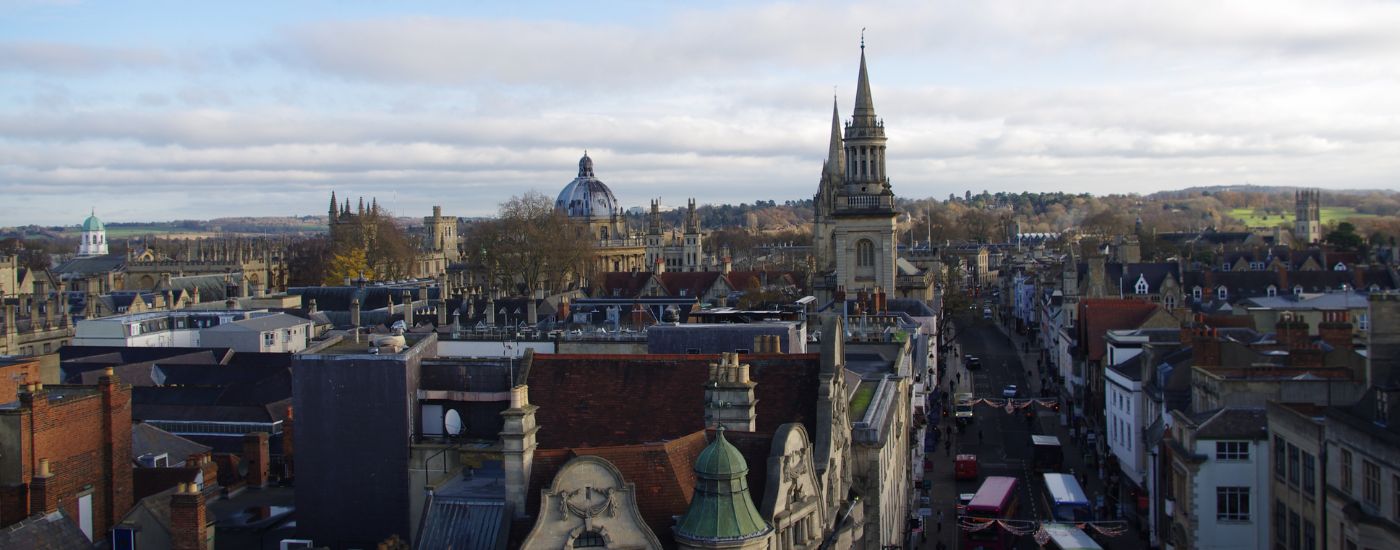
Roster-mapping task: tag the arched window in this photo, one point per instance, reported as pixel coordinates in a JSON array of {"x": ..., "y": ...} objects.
[
  {"x": 1222, "y": 293},
  {"x": 1141, "y": 286},
  {"x": 865, "y": 253},
  {"x": 589, "y": 539},
  {"x": 1272, "y": 291}
]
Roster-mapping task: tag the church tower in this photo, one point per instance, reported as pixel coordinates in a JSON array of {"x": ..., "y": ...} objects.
[
  {"x": 1307, "y": 217},
  {"x": 863, "y": 213},
  {"x": 694, "y": 240},
  {"x": 94, "y": 241}
]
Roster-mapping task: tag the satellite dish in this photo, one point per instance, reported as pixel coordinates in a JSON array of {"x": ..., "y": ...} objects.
[{"x": 452, "y": 422}]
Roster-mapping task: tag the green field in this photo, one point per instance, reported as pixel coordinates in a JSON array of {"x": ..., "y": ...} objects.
[{"x": 1330, "y": 214}]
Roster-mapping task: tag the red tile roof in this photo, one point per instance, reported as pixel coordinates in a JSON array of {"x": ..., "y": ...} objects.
[
  {"x": 624, "y": 284},
  {"x": 1098, "y": 316},
  {"x": 605, "y": 400}
]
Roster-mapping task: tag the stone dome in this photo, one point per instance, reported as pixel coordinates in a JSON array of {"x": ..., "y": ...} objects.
[
  {"x": 586, "y": 196},
  {"x": 93, "y": 224}
]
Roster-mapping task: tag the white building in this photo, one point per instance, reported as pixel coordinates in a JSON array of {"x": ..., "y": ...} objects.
[
  {"x": 1218, "y": 490},
  {"x": 244, "y": 331}
]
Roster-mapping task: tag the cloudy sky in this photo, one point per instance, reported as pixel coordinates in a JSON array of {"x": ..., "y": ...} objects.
[{"x": 177, "y": 110}]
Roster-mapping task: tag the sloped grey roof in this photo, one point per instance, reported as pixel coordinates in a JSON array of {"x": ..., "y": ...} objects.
[
  {"x": 146, "y": 438},
  {"x": 260, "y": 323},
  {"x": 54, "y": 531},
  {"x": 464, "y": 523},
  {"x": 92, "y": 265},
  {"x": 1242, "y": 423}
]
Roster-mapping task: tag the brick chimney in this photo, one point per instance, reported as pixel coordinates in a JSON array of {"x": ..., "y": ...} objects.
[
  {"x": 1291, "y": 331},
  {"x": 288, "y": 445},
  {"x": 255, "y": 453},
  {"x": 1383, "y": 335},
  {"x": 729, "y": 396},
  {"x": 116, "y": 449},
  {"x": 518, "y": 447},
  {"x": 1205, "y": 347},
  {"x": 188, "y": 530},
  {"x": 207, "y": 467},
  {"x": 43, "y": 490},
  {"x": 1336, "y": 329}
]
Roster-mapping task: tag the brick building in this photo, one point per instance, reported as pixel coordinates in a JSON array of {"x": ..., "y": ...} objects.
[
  {"x": 73, "y": 452},
  {"x": 16, "y": 373}
]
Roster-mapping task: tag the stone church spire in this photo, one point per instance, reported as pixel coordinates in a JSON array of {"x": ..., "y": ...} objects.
[
  {"x": 864, "y": 113},
  {"x": 835, "y": 159}
]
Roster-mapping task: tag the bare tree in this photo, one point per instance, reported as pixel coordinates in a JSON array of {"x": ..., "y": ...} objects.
[{"x": 531, "y": 245}]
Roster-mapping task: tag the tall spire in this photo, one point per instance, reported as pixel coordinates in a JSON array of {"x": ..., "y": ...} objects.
[
  {"x": 835, "y": 164},
  {"x": 865, "y": 106}
]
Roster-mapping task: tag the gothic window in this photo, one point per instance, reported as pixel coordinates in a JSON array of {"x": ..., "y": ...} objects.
[
  {"x": 1272, "y": 291},
  {"x": 865, "y": 253},
  {"x": 1141, "y": 287}
]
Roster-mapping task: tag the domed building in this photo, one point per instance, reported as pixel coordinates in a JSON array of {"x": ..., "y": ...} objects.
[
  {"x": 591, "y": 202},
  {"x": 722, "y": 513},
  {"x": 94, "y": 242}
]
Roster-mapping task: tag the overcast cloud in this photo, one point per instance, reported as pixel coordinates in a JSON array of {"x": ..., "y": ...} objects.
[{"x": 149, "y": 112}]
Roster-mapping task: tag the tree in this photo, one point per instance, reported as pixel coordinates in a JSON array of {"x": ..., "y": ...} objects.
[
  {"x": 350, "y": 263},
  {"x": 531, "y": 245},
  {"x": 1344, "y": 237}
]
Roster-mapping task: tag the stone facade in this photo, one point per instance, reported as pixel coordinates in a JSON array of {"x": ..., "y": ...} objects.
[{"x": 589, "y": 504}]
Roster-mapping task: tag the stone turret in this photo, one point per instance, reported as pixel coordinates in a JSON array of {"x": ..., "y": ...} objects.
[
  {"x": 722, "y": 513},
  {"x": 518, "y": 446}
]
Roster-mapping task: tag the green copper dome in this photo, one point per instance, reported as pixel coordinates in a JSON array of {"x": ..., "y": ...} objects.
[
  {"x": 93, "y": 224},
  {"x": 721, "y": 508}
]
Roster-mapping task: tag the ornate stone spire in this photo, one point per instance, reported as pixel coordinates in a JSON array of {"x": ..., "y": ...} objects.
[{"x": 865, "y": 105}]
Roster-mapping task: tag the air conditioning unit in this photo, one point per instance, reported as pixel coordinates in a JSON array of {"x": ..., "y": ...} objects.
[{"x": 152, "y": 460}]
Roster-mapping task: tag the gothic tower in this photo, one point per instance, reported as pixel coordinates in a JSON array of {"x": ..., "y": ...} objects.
[
  {"x": 1307, "y": 217},
  {"x": 863, "y": 214},
  {"x": 693, "y": 247}
]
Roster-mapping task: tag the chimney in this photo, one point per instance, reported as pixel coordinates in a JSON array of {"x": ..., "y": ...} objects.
[
  {"x": 490, "y": 310},
  {"x": 188, "y": 525},
  {"x": 115, "y": 452},
  {"x": 43, "y": 490},
  {"x": 518, "y": 447},
  {"x": 288, "y": 445},
  {"x": 207, "y": 467},
  {"x": 10, "y": 327},
  {"x": 660, "y": 265},
  {"x": 1097, "y": 274},
  {"x": 563, "y": 310},
  {"x": 532, "y": 312},
  {"x": 1290, "y": 331},
  {"x": 408, "y": 308},
  {"x": 639, "y": 315},
  {"x": 312, "y": 306},
  {"x": 729, "y": 396},
  {"x": 354, "y": 312},
  {"x": 1205, "y": 348},
  {"x": 255, "y": 453},
  {"x": 1336, "y": 329}
]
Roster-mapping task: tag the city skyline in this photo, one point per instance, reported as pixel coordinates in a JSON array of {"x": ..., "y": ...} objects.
[{"x": 147, "y": 112}]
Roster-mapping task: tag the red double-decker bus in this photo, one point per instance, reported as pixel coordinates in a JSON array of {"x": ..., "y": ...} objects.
[{"x": 995, "y": 499}]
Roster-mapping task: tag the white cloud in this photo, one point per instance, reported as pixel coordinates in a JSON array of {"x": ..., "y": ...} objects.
[{"x": 725, "y": 104}]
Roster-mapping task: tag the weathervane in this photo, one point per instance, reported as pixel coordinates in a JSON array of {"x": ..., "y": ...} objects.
[{"x": 862, "y": 38}]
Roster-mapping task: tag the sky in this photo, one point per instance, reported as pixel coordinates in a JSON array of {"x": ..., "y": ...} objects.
[{"x": 163, "y": 110}]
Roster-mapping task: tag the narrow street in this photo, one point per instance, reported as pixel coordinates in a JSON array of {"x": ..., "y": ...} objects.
[{"x": 1001, "y": 440}]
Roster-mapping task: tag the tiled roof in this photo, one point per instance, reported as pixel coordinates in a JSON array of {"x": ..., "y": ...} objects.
[
  {"x": 1097, "y": 317},
  {"x": 598, "y": 400},
  {"x": 148, "y": 439},
  {"x": 663, "y": 474},
  {"x": 624, "y": 284}
]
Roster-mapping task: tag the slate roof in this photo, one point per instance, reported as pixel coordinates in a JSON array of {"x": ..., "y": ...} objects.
[
  {"x": 54, "y": 531},
  {"x": 275, "y": 321},
  {"x": 92, "y": 265},
  {"x": 148, "y": 439},
  {"x": 693, "y": 283},
  {"x": 581, "y": 396},
  {"x": 463, "y": 523},
  {"x": 212, "y": 288},
  {"x": 337, "y": 298},
  {"x": 1235, "y": 423},
  {"x": 1127, "y": 275}
]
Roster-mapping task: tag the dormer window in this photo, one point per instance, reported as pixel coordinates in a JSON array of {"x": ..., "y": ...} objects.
[
  {"x": 1196, "y": 293},
  {"x": 1256, "y": 266},
  {"x": 1170, "y": 301},
  {"x": 1225, "y": 266},
  {"x": 1141, "y": 287},
  {"x": 1297, "y": 290},
  {"x": 1271, "y": 291},
  {"x": 1339, "y": 267},
  {"x": 1221, "y": 293}
]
